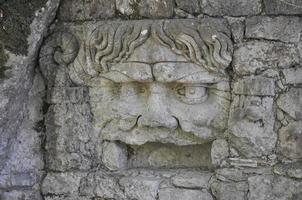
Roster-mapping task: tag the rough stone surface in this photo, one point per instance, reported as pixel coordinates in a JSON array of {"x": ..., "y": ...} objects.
[
  {"x": 155, "y": 8},
  {"x": 270, "y": 187},
  {"x": 292, "y": 76},
  {"x": 79, "y": 10},
  {"x": 100, "y": 185},
  {"x": 192, "y": 180},
  {"x": 288, "y": 7},
  {"x": 255, "y": 86},
  {"x": 190, "y": 6},
  {"x": 23, "y": 27},
  {"x": 290, "y": 138},
  {"x": 290, "y": 103},
  {"x": 144, "y": 188},
  {"x": 251, "y": 125},
  {"x": 61, "y": 183},
  {"x": 114, "y": 156},
  {"x": 219, "y": 152},
  {"x": 125, "y": 7},
  {"x": 229, "y": 191},
  {"x": 257, "y": 56},
  {"x": 272, "y": 28},
  {"x": 24, "y": 195},
  {"x": 231, "y": 7},
  {"x": 293, "y": 170},
  {"x": 238, "y": 28},
  {"x": 178, "y": 194}
]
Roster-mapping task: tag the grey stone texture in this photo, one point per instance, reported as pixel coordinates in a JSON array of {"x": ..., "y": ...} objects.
[
  {"x": 151, "y": 100},
  {"x": 80, "y": 10},
  {"x": 237, "y": 25},
  {"x": 155, "y": 8},
  {"x": 285, "y": 29},
  {"x": 178, "y": 194},
  {"x": 272, "y": 187},
  {"x": 190, "y": 6},
  {"x": 288, "y": 7},
  {"x": 231, "y": 7},
  {"x": 254, "y": 57},
  {"x": 21, "y": 92}
]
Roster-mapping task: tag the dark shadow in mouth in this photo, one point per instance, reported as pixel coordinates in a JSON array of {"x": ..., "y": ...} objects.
[{"x": 169, "y": 156}]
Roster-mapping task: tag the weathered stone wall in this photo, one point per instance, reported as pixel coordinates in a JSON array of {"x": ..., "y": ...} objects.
[{"x": 54, "y": 140}]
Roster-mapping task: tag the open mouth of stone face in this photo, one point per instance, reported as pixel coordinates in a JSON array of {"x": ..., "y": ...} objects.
[
  {"x": 159, "y": 155},
  {"x": 118, "y": 155},
  {"x": 143, "y": 147}
]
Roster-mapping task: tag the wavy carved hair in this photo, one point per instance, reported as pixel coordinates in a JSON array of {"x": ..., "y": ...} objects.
[{"x": 116, "y": 42}]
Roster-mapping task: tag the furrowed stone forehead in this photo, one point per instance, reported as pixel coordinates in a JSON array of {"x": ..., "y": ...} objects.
[
  {"x": 182, "y": 72},
  {"x": 198, "y": 41}
]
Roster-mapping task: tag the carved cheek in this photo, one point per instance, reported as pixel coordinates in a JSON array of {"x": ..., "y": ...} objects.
[{"x": 129, "y": 101}]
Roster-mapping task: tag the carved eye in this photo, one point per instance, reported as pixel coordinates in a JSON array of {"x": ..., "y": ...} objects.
[{"x": 192, "y": 94}]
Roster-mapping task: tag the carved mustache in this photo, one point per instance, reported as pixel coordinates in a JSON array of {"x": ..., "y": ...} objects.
[{"x": 204, "y": 131}]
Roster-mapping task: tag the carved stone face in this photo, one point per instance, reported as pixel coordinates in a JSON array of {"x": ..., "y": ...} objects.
[
  {"x": 157, "y": 87},
  {"x": 158, "y": 96}
]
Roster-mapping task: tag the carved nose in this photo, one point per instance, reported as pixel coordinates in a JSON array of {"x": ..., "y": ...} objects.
[{"x": 156, "y": 114}]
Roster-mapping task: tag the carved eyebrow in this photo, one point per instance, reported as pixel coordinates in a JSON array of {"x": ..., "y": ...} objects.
[
  {"x": 184, "y": 73},
  {"x": 200, "y": 77},
  {"x": 129, "y": 72}
]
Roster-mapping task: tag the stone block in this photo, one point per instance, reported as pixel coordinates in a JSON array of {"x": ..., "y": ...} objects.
[
  {"x": 231, "y": 174},
  {"x": 21, "y": 194},
  {"x": 62, "y": 183},
  {"x": 293, "y": 170},
  {"x": 79, "y": 10},
  {"x": 26, "y": 156},
  {"x": 237, "y": 27},
  {"x": 290, "y": 140},
  {"x": 156, "y": 9},
  {"x": 229, "y": 190},
  {"x": 143, "y": 188},
  {"x": 192, "y": 180},
  {"x": 231, "y": 7},
  {"x": 219, "y": 152},
  {"x": 126, "y": 7},
  {"x": 251, "y": 125},
  {"x": 283, "y": 28},
  {"x": 288, "y": 7},
  {"x": 256, "y": 56},
  {"x": 190, "y": 6},
  {"x": 18, "y": 180},
  {"x": 290, "y": 102},
  {"x": 114, "y": 156},
  {"x": 181, "y": 194},
  {"x": 269, "y": 187},
  {"x": 254, "y": 85},
  {"x": 73, "y": 197},
  {"x": 70, "y": 139},
  {"x": 292, "y": 76},
  {"x": 99, "y": 184}
]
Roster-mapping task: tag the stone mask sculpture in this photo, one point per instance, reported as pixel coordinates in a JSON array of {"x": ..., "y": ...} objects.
[{"x": 161, "y": 81}]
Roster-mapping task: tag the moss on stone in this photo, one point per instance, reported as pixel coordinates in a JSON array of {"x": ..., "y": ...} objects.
[
  {"x": 15, "y": 25},
  {"x": 135, "y": 14}
]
